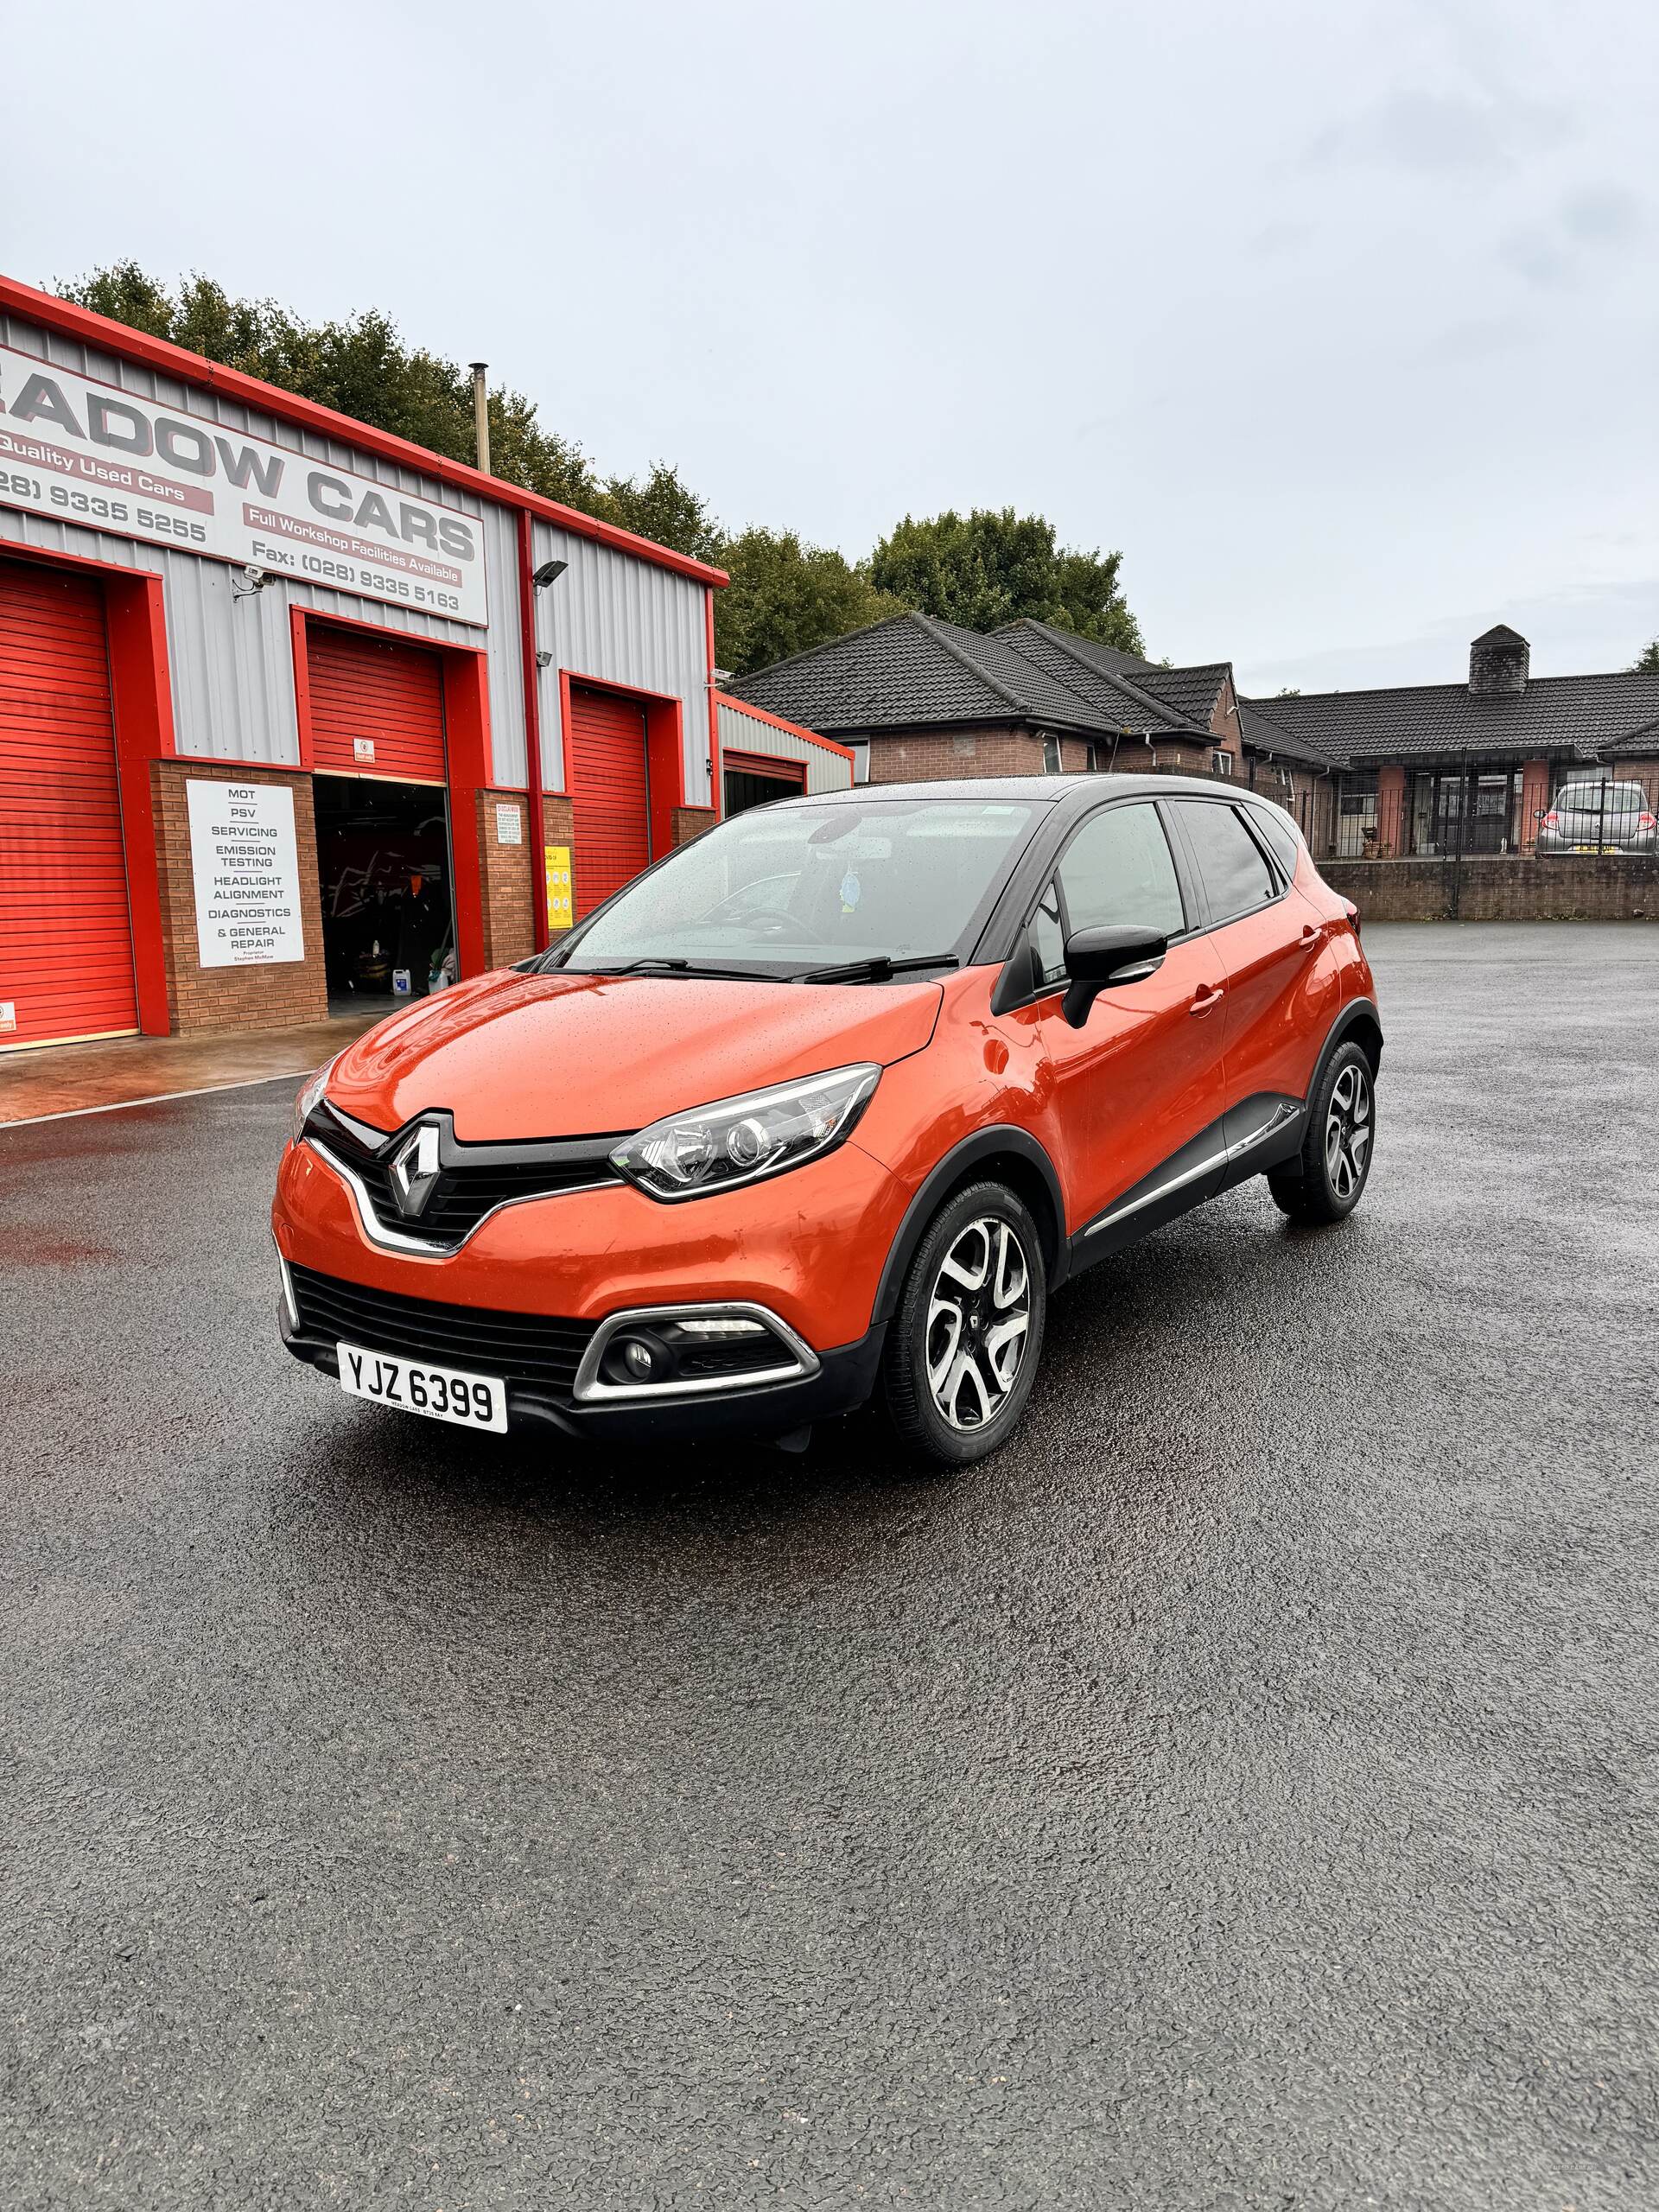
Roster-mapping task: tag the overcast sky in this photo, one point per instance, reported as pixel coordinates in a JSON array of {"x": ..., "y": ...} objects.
[{"x": 1340, "y": 321}]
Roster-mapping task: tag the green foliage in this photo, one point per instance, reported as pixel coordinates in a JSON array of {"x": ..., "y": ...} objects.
[
  {"x": 1290, "y": 691},
  {"x": 785, "y": 596},
  {"x": 361, "y": 367},
  {"x": 664, "y": 508},
  {"x": 991, "y": 567},
  {"x": 1648, "y": 655}
]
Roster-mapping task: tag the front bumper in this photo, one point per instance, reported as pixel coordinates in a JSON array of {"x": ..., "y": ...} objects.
[
  {"x": 845, "y": 1378},
  {"x": 523, "y": 1296}
]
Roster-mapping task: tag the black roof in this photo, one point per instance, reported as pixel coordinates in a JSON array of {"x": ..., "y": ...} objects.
[
  {"x": 1580, "y": 715},
  {"x": 1263, "y": 735},
  {"x": 914, "y": 669}
]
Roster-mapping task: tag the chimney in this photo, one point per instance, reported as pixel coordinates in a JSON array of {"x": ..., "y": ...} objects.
[{"x": 1498, "y": 663}]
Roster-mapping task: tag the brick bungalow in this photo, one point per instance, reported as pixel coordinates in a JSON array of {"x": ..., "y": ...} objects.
[
  {"x": 1427, "y": 770},
  {"x": 919, "y": 699}
]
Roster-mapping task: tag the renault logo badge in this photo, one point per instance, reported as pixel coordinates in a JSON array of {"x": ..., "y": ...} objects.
[{"x": 415, "y": 1169}]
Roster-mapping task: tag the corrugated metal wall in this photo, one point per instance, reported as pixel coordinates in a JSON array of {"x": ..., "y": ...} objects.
[
  {"x": 620, "y": 620},
  {"x": 741, "y": 732},
  {"x": 233, "y": 663}
]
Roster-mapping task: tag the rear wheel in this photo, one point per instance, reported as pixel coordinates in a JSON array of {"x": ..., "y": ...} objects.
[
  {"x": 1324, "y": 1182},
  {"x": 963, "y": 1349}
]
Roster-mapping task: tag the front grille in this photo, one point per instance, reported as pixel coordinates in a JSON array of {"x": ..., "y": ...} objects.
[
  {"x": 473, "y": 1180},
  {"x": 531, "y": 1348}
]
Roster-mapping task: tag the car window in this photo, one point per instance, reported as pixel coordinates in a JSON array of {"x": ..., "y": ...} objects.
[
  {"x": 1117, "y": 869},
  {"x": 1590, "y": 798},
  {"x": 1048, "y": 940},
  {"x": 791, "y": 888},
  {"x": 1236, "y": 874},
  {"x": 1280, "y": 834}
]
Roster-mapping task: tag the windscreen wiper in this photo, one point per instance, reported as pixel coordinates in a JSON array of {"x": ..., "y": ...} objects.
[
  {"x": 878, "y": 968},
  {"x": 663, "y": 964}
]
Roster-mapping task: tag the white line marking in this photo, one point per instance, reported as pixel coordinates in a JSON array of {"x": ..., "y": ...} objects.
[{"x": 123, "y": 1105}]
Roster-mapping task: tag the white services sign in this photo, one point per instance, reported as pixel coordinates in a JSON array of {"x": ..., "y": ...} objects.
[
  {"x": 246, "y": 868},
  {"x": 86, "y": 452}
]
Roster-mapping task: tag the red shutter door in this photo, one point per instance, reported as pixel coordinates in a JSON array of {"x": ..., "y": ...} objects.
[
  {"x": 608, "y": 794},
  {"x": 377, "y": 705},
  {"x": 66, "y": 935}
]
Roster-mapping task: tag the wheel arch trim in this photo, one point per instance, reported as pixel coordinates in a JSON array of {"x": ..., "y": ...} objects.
[{"x": 997, "y": 1142}]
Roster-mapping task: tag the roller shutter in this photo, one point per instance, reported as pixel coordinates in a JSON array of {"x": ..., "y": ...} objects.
[
  {"x": 377, "y": 705},
  {"x": 66, "y": 934},
  {"x": 608, "y": 793}
]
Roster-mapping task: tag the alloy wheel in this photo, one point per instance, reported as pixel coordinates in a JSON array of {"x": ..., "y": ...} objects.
[
  {"x": 978, "y": 1322},
  {"x": 1348, "y": 1130}
]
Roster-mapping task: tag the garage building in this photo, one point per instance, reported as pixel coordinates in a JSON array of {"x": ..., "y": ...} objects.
[{"x": 297, "y": 715}]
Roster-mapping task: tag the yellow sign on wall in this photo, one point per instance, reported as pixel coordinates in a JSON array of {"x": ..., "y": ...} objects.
[{"x": 560, "y": 910}]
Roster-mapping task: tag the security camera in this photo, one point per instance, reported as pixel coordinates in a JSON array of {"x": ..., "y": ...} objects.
[{"x": 255, "y": 578}]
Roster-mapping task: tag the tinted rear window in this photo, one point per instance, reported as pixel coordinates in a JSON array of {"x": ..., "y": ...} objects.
[
  {"x": 1234, "y": 869},
  {"x": 1590, "y": 798},
  {"x": 1281, "y": 834}
]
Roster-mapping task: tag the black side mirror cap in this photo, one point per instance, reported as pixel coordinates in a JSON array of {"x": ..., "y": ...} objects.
[{"x": 1097, "y": 959}]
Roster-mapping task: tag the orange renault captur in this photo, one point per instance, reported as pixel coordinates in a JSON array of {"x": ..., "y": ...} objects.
[{"x": 826, "y": 1105}]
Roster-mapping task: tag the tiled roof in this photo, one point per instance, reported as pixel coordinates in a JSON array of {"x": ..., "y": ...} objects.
[
  {"x": 1577, "y": 714},
  {"x": 915, "y": 669},
  {"x": 1192, "y": 691},
  {"x": 1076, "y": 662},
  {"x": 1265, "y": 736}
]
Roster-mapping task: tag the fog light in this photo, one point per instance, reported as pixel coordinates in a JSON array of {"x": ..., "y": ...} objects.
[{"x": 636, "y": 1357}]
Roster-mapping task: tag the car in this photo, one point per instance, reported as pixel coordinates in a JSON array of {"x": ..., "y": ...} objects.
[
  {"x": 1600, "y": 817},
  {"x": 721, "y": 1163}
]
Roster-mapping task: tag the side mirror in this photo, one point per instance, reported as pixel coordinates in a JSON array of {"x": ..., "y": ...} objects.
[{"x": 1097, "y": 959}]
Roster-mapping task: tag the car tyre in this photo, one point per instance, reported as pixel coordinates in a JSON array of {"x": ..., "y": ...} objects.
[
  {"x": 962, "y": 1348},
  {"x": 1325, "y": 1181}
]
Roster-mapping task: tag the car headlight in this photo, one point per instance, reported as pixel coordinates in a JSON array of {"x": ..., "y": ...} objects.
[
  {"x": 309, "y": 1095},
  {"x": 742, "y": 1140}
]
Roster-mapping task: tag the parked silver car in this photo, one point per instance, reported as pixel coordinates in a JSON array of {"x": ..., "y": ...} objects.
[{"x": 1599, "y": 818}]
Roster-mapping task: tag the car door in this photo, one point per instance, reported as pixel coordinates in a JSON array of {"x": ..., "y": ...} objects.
[
  {"x": 1277, "y": 977},
  {"x": 1140, "y": 1079}
]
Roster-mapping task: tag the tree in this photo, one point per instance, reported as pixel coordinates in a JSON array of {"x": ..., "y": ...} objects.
[
  {"x": 1648, "y": 659},
  {"x": 1290, "y": 691},
  {"x": 991, "y": 567},
  {"x": 784, "y": 597},
  {"x": 362, "y": 367},
  {"x": 664, "y": 508}
]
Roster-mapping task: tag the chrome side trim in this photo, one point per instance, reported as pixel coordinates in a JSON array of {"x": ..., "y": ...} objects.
[
  {"x": 1123, "y": 1210},
  {"x": 590, "y": 1391},
  {"x": 1276, "y": 1120}
]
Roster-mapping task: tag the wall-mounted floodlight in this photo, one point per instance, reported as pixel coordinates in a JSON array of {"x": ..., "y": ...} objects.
[{"x": 549, "y": 573}]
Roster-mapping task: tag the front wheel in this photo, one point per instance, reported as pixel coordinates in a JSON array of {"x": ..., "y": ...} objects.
[
  {"x": 963, "y": 1349},
  {"x": 1324, "y": 1182}
]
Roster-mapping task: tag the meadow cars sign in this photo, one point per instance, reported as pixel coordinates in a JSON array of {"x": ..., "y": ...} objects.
[{"x": 86, "y": 452}]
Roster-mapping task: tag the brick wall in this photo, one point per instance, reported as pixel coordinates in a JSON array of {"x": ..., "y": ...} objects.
[
  {"x": 690, "y": 822},
  {"x": 936, "y": 756},
  {"x": 1510, "y": 888},
  {"x": 504, "y": 876},
  {"x": 279, "y": 995}
]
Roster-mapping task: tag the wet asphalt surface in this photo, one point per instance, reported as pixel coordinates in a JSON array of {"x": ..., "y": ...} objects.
[{"x": 1242, "y": 1792}]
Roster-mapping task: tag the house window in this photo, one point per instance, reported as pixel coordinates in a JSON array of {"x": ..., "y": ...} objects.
[
  {"x": 1051, "y": 756},
  {"x": 1357, "y": 816},
  {"x": 1221, "y": 764}
]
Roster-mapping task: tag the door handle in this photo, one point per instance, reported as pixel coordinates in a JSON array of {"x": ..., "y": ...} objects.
[
  {"x": 1310, "y": 935},
  {"x": 1205, "y": 999}
]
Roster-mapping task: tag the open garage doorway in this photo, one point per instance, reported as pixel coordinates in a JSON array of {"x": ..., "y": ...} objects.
[{"x": 388, "y": 911}]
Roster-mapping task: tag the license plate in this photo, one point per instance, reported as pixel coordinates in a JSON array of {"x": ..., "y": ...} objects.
[{"x": 439, "y": 1393}]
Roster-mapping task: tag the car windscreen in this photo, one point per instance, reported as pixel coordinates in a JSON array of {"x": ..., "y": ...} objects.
[{"x": 780, "y": 890}]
